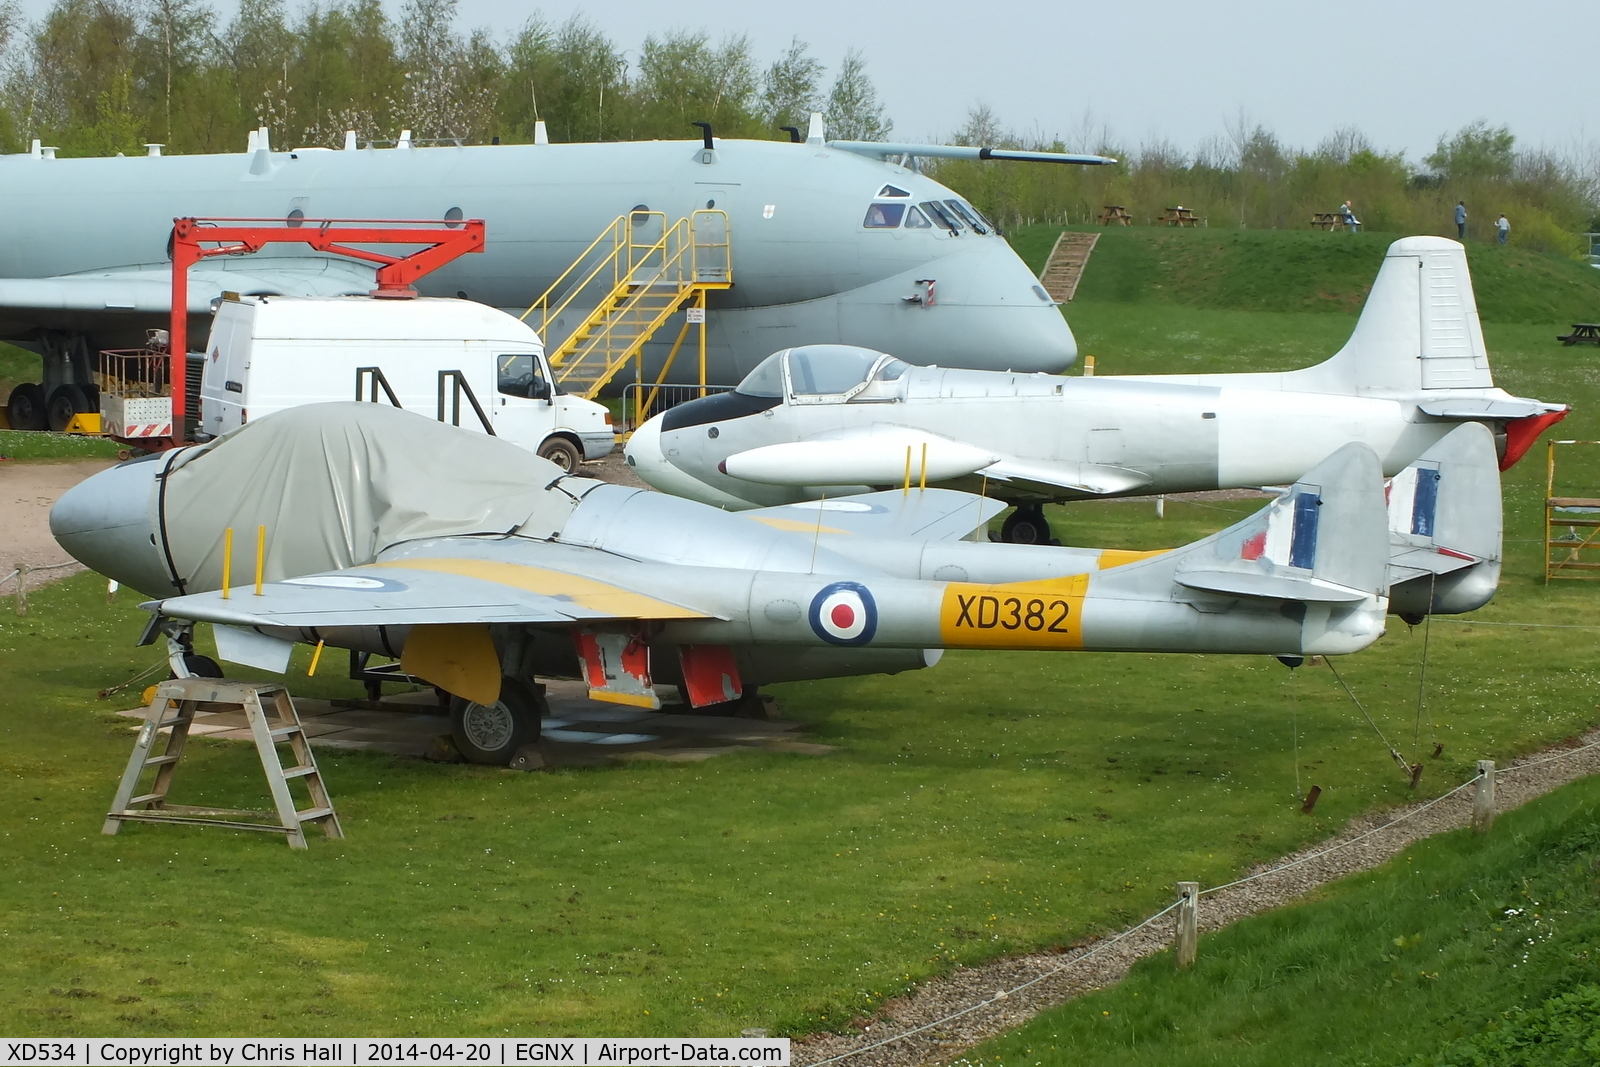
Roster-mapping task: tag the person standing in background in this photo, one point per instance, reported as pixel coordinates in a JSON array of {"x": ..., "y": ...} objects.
[
  {"x": 1502, "y": 227},
  {"x": 1461, "y": 220}
]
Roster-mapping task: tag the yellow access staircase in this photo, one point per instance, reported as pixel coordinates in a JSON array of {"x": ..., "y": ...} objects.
[{"x": 635, "y": 276}]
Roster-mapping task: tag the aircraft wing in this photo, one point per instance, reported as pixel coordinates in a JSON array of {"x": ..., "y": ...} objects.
[
  {"x": 74, "y": 301},
  {"x": 921, "y": 515},
  {"x": 885, "y": 149},
  {"x": 1049, "y": 479},
  {"x": 444, "y": 587}
]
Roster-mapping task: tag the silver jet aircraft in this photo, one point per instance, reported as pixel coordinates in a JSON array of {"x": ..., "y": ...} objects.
[
  {"x": 829, "y": 241},
  {"x": 483, "y": 570},
  {"x": 822, "y": 420}
]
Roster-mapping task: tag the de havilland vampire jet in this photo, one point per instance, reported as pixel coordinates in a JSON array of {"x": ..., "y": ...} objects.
[
  {"x": 821, "y": 420},
  {"x": 830, "y": 241},
  {"x": 483, "y": 569}
]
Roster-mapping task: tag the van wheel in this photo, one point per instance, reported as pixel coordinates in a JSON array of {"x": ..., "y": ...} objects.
[
  {"x": 25, "y": 408},
  {"x": 492, "y": 733},
  {"x": 562, "y": 452},
  {"x": 65, "y": 402}
]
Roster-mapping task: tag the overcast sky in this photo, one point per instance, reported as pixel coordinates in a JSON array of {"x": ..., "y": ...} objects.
[{"x": 1403, "y": 71}]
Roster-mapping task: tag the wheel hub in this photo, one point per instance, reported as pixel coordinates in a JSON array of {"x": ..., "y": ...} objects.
[{"x": 488, "y": 726}]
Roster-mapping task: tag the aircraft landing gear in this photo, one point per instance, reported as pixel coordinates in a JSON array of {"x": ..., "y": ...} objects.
[
  {"x": 67, "y": 401},
  {"x": 1026, "y": 526},
  {"x": 25, "y": 410},
  {"x": 491, "y": 734}
]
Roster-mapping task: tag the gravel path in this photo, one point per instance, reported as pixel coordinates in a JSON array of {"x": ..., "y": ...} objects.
[
  {"x": 27, "y": 490},
  {"x": 991, "y": 1001}
]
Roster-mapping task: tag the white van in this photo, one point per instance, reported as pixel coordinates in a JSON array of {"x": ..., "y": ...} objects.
[{"x": 266, "y": 353}]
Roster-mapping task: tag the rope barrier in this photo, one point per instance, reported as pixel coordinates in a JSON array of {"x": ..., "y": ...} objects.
[
  {"x": 1000, "y": 995},
  {"x": 1103, "y": 945}
]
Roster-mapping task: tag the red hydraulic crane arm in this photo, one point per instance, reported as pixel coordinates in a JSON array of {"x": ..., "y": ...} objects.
[{"x": 441, "y": 242}]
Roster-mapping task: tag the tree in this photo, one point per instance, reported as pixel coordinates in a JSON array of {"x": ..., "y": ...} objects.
[
  {"x": 173, "y": 44},
  {"x": 792, "y": 88},
  {"x": 449, "y": 88},
  {"x": 853, "y": 111},
  {"x": 683, "y": 79},
  {"x": 1477, "y": 151},
  {"x": 346, "y": 73}
]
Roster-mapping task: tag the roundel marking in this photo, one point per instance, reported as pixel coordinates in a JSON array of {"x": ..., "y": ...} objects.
[{"x": 844, "y": 613}]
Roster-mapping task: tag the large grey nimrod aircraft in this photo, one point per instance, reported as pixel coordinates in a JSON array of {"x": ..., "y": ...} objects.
[
  {"x": 484, "y": 570},
  {"x": 829, "y": 242},
  {"x": 824, "y": 420}
]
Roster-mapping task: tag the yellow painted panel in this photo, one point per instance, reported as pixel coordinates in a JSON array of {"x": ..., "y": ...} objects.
[
  {"x": 1116, "y": 557},
  {"x": 1044, "y": 615},
  {"x": 586, "y": 592},
  {"x": 87, "y": 422},
  {"x": 795, "y": 525},
  {"x": 457, "y": 657},
  {"x": 632, "y": 700}
]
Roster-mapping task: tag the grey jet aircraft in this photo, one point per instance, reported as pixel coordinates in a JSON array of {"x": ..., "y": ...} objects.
[
  {"x": 830, "y": 242},
  {"x": 822, "y": 420},
  {"x": 484, "y": 570}
]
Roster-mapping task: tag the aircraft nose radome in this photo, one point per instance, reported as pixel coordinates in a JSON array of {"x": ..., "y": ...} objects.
[
  {"x": 107, "y": 521},
  {"x": 643, "y": 450},
  {"x": 990, "y": 313}
]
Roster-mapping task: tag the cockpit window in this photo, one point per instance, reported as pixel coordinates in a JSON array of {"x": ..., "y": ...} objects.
[
  {"x": 892, "y": 190},
  {"x": 766, "y": 380},
  {"x": 941, "y": 216},
  {"x": 968, "y": 214},
  {"x": 884, "y": 216},
  {"x": 916, "y": 220},
  {"x": 829, "y": 370},
  {"x": 890, "y": 370}
]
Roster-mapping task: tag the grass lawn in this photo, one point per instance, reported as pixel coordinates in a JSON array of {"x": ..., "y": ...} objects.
[
  {"x": 1462, "y": 952},
  {"x": 999, "y": 802}
]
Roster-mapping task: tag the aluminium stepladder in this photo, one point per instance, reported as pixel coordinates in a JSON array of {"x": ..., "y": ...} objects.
[{"x": 273, "y": 721}]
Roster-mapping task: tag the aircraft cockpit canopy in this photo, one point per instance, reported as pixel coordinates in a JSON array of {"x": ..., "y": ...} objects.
[
  {"x": 825, "y": 374},
  {"x": 954, "y": 217}
]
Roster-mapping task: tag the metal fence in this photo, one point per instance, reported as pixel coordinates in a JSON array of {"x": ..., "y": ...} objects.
[{"x": 641, "y": 401}]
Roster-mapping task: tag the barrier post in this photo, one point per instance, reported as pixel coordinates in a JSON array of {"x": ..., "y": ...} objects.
[
  {"x": 1483, "y": 798},
  {"x": 22, "y": 589},
  {"x": 1188, "y": 940}
]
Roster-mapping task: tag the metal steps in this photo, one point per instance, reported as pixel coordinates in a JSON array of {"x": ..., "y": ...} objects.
[
  {"x": 1064, "y": 269},
  {"x": 635, "y": 281}
]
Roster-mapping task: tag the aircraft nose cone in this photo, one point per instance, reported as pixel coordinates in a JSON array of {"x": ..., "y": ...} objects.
[
  {"x": 108, "y": 523},
  {"x": 643, "y": 450}
]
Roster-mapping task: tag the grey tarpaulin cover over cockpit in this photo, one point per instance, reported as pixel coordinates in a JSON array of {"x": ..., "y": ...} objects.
[{"x": 349, "y": 473}]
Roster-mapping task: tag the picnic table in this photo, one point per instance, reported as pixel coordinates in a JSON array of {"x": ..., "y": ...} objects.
[
  {"x": 1327, "y": 220},
  {"x": 1115, "y": 215},
  {"x": 1179, "y": 216},
  {"x": 1583, "y": 333}
]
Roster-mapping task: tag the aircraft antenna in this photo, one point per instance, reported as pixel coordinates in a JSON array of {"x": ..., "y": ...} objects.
[
  {"x": 705, "y": 133},
  {"x": 817, "y": 537}
]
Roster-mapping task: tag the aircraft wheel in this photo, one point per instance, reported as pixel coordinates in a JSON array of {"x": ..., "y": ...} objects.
[
  {"x": 25, "y": 408},
  {"x": 1026, "y": 526},
  {"x": 492, "y": 733},
  {"x": 201, "y": 666},
  {"x": 562, "y": 452},
  {"x": 65, "y": 402}
]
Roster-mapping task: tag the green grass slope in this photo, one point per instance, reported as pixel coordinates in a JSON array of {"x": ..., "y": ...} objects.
[
  {"x": 1463, "y": 951},
  {"x": 1304, "y": 270}
]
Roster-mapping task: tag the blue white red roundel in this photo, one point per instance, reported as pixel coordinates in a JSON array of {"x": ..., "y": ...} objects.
[{"x": 844, "y": 614}]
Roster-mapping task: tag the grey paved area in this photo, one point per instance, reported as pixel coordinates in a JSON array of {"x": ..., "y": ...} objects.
[{"x": 579, "y": 731}]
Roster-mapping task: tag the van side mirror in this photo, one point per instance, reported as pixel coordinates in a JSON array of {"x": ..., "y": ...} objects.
[{"x": 540, "y": 390}]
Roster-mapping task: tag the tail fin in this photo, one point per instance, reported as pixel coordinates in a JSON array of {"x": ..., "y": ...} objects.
[
  {"x": 1419, "y": 329},
  {"x": 1317, "y": 556},
  {"x": 1445, "y": 527}
]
